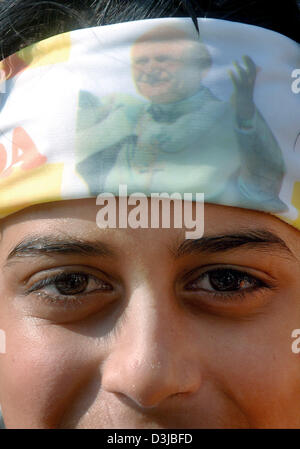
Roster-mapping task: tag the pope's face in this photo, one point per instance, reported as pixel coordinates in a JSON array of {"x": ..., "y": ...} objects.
[
  {"x": 163, "y": 72},
  {"x": 139, "y": 328}
]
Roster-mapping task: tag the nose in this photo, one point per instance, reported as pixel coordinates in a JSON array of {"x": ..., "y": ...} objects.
[
  {"x": 151, "y": 66},
  {"x": 151, "y": 359}
]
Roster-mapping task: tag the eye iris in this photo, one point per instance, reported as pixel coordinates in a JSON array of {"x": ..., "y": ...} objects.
[
  {"x": 228, "y": 280},
  {"x": 72, "y": 283}
]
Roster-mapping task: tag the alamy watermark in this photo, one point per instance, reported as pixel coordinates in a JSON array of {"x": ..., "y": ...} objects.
[
  {"x": 296, "y": 343},
  {"x": 152, "y": 211},
  {"x": 296, "y": 82},
  {"x": 2, "y": 342},
  {"x": 2, "y": 82}
]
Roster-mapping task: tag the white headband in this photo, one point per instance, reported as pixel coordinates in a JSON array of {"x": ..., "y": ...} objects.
[{"x": 152, "y": 105}]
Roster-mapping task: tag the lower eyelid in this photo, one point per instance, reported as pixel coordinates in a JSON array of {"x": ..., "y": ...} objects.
[
  {"x": 244, "y": 301},
  {"x": 68, "y": 301}
]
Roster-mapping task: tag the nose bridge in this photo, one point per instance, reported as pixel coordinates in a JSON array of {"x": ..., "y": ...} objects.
[
  {"x": 149, "y": 360},
  {"x": 152, "y": 64},
  {"x": 152, "y": 326}
]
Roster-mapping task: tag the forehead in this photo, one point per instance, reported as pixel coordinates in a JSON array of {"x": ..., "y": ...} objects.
[
  {"x": 79, "y": 218},
  {"x": 155, "y": 48}
]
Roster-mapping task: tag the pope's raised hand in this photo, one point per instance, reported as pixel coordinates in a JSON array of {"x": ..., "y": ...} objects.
[{"x": 243, "y": 80}]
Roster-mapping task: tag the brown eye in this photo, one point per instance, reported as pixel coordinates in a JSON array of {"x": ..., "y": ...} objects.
[
  {"x": 224, "y": 280},
  {"x": 68, "y": 284},
  {"x": 72, "y": 283}
]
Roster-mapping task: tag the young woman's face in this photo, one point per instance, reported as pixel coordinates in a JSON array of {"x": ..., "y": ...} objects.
[{"x": 124, "y": 328}]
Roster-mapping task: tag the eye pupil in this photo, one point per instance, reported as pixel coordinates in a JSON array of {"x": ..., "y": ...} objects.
[
  {"x": 72, "y": 283},
  {"x": 227, "y": 280}
]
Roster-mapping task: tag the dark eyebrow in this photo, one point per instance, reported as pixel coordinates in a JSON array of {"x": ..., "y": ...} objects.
[
  {"x": 255, "y": 239},
  {"x": 35, "y": 246},
  {"x": 51, "y": 244}
]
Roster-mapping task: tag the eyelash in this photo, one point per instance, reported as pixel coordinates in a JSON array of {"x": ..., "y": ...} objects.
[
  {"x": 231, "y": 294},
  {"x": 234, "y": 295},
  {"x": 63, "y": 299}
]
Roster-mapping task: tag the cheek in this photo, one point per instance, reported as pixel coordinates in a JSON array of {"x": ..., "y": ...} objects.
[
  {"x": 43, "y": 368},
  {"x": 265, "y": 384},
  {"x": 254, "y": 363}
]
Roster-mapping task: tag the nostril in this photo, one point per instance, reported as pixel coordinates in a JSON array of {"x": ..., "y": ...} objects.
[
  {"x": 135, "y": 401},
  {"x": 139, "y": 401}
]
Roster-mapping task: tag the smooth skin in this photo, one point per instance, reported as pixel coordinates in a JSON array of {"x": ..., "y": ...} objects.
[{"x": 151, "y": 340}]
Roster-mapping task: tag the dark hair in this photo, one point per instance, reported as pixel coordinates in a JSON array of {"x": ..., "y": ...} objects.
[{"x": 23, "y": 22}]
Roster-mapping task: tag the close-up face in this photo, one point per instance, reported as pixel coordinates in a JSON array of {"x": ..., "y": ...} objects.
[
  {"x": 140, "y": 328},
  {"x": 167, "y": 72},
  {"x": 149, "y": 216}
]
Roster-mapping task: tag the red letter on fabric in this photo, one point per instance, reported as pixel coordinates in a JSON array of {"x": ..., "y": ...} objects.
[
  {"x": 23, "y": 150},
  {"x": 30, "y": 156}
]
